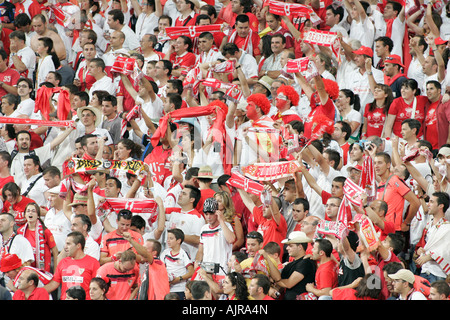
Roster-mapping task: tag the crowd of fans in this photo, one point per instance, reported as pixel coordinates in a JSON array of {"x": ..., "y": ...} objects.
[{"x": 224, "y": 150}]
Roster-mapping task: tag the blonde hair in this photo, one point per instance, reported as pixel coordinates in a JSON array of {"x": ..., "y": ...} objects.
[{"x": 228, "y": 205}]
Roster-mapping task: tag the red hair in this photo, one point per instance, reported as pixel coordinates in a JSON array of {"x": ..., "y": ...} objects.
[
  {"x": 332, "y": 88},
  {"x": 261, "y": 101},
  {"x": 290, "y": 93},
  {"x": 220, "y": 104}
]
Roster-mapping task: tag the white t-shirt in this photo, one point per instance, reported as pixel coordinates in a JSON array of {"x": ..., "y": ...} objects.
[
  {"x": 131, "y": 39},
  {"x": 44, "y": 67},
  {"x": 363, "y": 31},
  {"x": 190, "y": 223},
  {"x": 59, "y": 225},
  {"x": 215, "y": 247},
  {"x": 105, "y": 84},
  {"x": 176, "y": 265},
  {"x": 359, "y": 84},
  {"x": 28, "y": 58},
  {"x": 145, "y": 24}
]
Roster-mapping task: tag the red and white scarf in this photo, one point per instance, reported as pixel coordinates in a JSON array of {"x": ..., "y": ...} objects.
[
  {"x": 271, "y": 171},
  {"x": 325, "y": 39},
  {"x": 192, "y": 31},
  {"x": 44, "y": 276},
  {"x": 248, "y": 43},
  {"x": 135, "y": 205},
  {"x": 239, "y": 181},
  {"x": 40, "y": 243}
]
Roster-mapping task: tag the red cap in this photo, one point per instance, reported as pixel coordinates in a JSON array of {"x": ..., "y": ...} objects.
[
  {"x": 438, "y": 41},
  {"x": 10, "y": 262},
  {"x": 394, "y": 59},
  {"x": 365, "y": 51}
]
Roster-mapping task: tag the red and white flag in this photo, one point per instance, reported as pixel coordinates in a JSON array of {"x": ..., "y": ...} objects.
[
  {"x": 239, "y": 181},
  {"x": 326, "y": 39},
  {"x": 293, "y": 10},
  {"x": 192, "y": 31},
  {"x": 135, "y": 205}
]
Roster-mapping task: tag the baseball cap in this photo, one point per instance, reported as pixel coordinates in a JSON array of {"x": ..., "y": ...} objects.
[
  {"x": 10, "y": 262},
  {"x": 438, "y": 41},
  {"x": 394, "y": 59},
  {"x": 365, "y": 51},
  {"x": 210, "y": 205},
  {"x": 403, "y": 274}
]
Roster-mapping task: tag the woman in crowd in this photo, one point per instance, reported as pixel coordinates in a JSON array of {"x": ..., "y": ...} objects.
[
  {"x": 98, "y": 289},
  {"x": 40, "y": 238},
  {"x": 411, "y": 105},
  {"x": 348, "y": 106},
  {"x": 235, "y": 287},
  {"x": 376, "y": 112},
  {"x": 231, "y": 216},
  {"x": 15, "y": 202}
]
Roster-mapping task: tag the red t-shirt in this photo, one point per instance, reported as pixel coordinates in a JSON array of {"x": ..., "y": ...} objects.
[
  {"x": 327, "y": 109},
  {"x": 37, "y": 294},
  {"x": 76, "y": 272},
  {"x": 389, "y": 227},
  {"x": 206, "y": 193},
  {"x": 403, "y": 111},
  {"x": 393, "y": 196},
  {"x": 375, "y": 121},
  {"x": 347, "y": 294},
  {"x": 4, "y": 181},
  {"x": 86, "y": 79},
  {"x": 113, "y": 242},
  {"x": 327, "y": 275},
  {"x": 269, "y": 229},
  {"x": 158, "y": 159},
  {"x": 189, "y": 21},
  {"x": 443, "y": 119},
  {"x": 18, "y": 209},
  {"x": 121, "y": 282},
  {"x": 49, "y": 244},
  {"x": 9, "y": 77},
  {"x": 186, "y": 61},
  {"x": 240, "y": 42}
]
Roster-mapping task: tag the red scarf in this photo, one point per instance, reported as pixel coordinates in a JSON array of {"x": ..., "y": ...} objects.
[
  {"x": 42, "y": 102},
  {"x": 389, "y": 23},
  {"x": 218, "y": 127}
]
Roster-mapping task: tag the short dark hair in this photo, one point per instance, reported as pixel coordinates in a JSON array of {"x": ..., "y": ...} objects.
[
  {"x": 441, "y": 287},
  {"x": 263, "y": 281},
  {"x": 117, "y": 15},
  {"x": 255, "y": 235},
  {"x": 85, "y": 220},
  {"x": 386, "y": 42},
  {"x": 345, "y": 128},
  {"x": 397, "y": 242},
  {"x": 194, "y": 193},
  {"x": 199, "y": 288},
  {"x": 303, "y": 202},
  {"x": 178, "y": 233},
  {"x": 442, "y": 198},
  {"x": 242, "y": 18},
  {"x": 337, "y": 10},
  {"x": 413, "y": 124},
  {"x": 326, "y": 246},
  {"x": 78, "y": 238}
]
